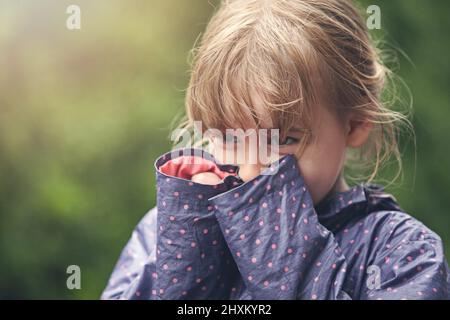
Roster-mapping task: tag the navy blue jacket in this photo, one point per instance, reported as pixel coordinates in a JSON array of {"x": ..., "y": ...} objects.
[{"x": 264, "y": 239}]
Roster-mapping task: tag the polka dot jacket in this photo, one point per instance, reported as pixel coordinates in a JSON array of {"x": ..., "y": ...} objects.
[{"x": 264, "y": 239}]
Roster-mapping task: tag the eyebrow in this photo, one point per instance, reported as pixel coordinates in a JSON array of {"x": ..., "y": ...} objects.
[{"x": 297, "y": 129}]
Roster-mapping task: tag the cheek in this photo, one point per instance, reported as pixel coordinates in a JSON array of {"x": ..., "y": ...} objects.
[{"x": 320, "y": 168}]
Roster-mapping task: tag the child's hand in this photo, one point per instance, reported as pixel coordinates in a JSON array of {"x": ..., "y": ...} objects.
[
  {"x": 206, "y": 178},
  {"x": 248, "y": 172}
]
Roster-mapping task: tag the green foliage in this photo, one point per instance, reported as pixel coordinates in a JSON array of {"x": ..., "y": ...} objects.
[{"x": 83, "y": 115}]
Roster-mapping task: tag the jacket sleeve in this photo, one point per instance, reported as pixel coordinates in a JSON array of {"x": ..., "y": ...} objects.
[
  {"x": 280, "y": 248},
  {"x": 132, "y": 277},
  {"x": 283, "y": 252},
  {"x": 407, "y": 264},
  {"x": 177, "y": 251}
]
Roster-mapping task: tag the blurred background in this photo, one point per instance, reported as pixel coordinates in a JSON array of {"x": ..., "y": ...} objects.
[{"x": 84, "y": 113}]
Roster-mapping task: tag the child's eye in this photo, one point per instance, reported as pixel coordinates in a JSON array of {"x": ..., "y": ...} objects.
[{"x": 289, "y": 141}]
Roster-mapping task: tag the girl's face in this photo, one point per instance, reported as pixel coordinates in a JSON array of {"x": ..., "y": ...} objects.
[{"x": 321, "y": 162}]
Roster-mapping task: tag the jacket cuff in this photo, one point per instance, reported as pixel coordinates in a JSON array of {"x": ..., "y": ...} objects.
[
  {"x": 274, "y": 235},
  {"x": 193, "y": 260}
]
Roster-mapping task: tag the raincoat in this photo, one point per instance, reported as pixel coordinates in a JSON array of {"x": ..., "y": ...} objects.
[{"x": 264, "y": 239}]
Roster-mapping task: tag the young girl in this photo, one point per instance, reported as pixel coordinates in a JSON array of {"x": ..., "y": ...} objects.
[{"x": 289, "y": 228}]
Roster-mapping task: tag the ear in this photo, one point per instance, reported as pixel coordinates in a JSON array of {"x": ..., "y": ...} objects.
[{"x": 358, "y": 132}]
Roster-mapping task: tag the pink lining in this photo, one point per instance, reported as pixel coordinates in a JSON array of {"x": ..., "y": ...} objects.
[{"x": 187, "y": 166}]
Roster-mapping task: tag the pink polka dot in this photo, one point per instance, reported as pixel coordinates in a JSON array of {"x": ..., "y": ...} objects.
[
  {"x": 261, "y": 223},
  {"x": 254, "y": 260},
  {"x": 274, "y": 246},
  {"x": 182, "y": 231},
  {"x": 283, "y": 287},
  {"x": 277, "y": 228},
  {"x": 238, "y": 254},
  {"x": 172, "y": 218},
  {"x": 333, "y": 266},
  {"x": 304, "y": 205},
  {"x": 279, "y": 210},
  {"x": 305, "y": 237},
  {"x": 246, "y": 218},
  {"x": 186, "y": 206},
  {"x": 266, "y": 283},
  {"x": 165, "y": 267},
  {"x": 200, "y": 196},
  {"x": 176, "y": 193},
  {"x": 189, "y": 269},
  {"x": 215, "y": 242},
  {"x": 198, "y": 280},
  {"x": 270, "y": 264},
  {"x": 314, "y": 296},
  {"x": 169, "y": 241},
  {"x": 305, "y": 221},
  {"x": 205, "y": 231},
  {"x": 250, "y": 278},
  {"x": 184, "y": 293},
  {"x": 289, "y": 250},
  {"x": 268, "y": 187},
  {"x": 242, "y": 236},
  {"x": 179, "y": 256},
  {"x": 258, "y": 241},
  {"x": 193, "y": 244},
  {"x": 236, "y": 195},
  {"x": 286, "y": 269},
  {"x": 211, "y": 267},
  {"x": 155, "y": 275},
  {"x": 174, "y": 280},
  {"x": 293, "y": 215},
  {"x": 264, "y": 205},
  {"x": 230, "y": 213}
]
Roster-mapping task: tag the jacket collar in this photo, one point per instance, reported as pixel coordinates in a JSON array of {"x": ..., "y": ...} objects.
[{"x": 336, "y": 210}]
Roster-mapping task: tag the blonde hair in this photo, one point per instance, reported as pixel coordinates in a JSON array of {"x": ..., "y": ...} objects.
[{"x": 290, "y": 52}]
